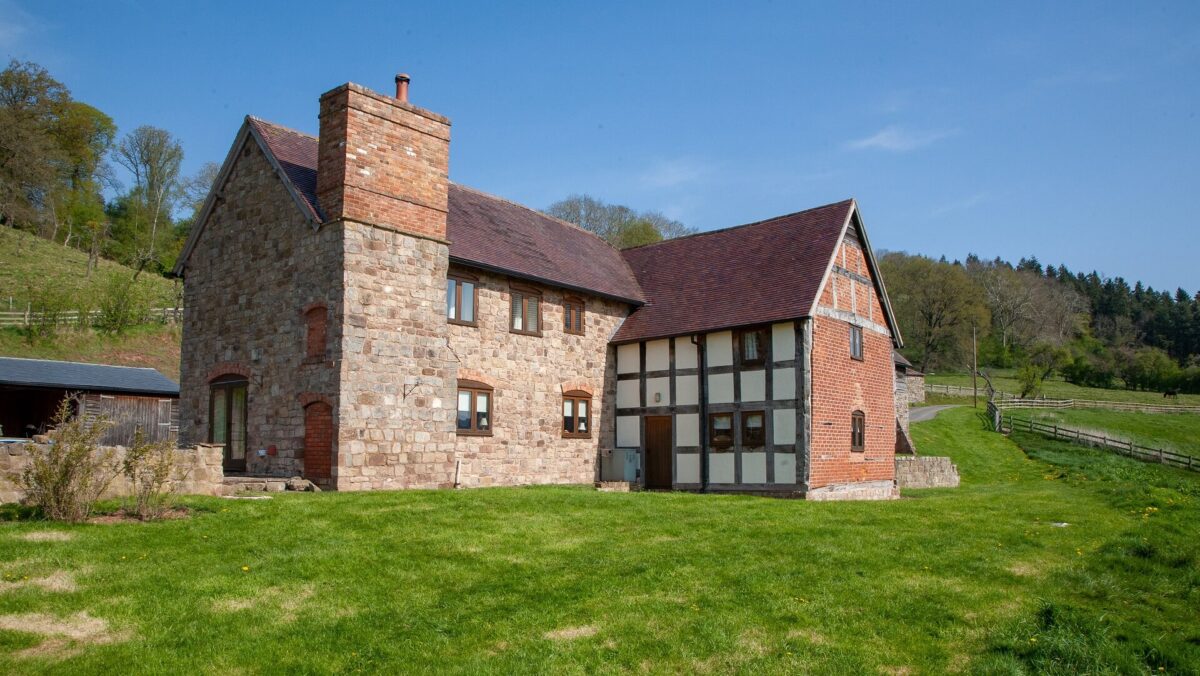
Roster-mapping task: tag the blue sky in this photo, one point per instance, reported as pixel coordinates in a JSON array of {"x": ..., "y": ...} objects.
[{"x": 1069, "y": 131}]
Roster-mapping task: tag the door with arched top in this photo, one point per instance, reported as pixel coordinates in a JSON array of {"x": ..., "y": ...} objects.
[{"x": 318, "y": 441}]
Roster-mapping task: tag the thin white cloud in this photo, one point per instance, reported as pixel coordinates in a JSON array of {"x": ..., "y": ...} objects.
[
  {"x": 899, "y": 140},
  {"x": 673, "y": 173},
  {"x": 15, "y": 23},
  {"x": 962, "y": 204}
]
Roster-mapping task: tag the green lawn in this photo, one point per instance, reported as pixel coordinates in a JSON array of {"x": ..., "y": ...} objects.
[
  {"x": 1056, "y": 388},
  {"x": 1172, "y": 431},
  {"x": 571, "y": 580}
]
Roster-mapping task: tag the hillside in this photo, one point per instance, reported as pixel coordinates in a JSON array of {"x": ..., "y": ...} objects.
[{"x": 28, "y": 261}]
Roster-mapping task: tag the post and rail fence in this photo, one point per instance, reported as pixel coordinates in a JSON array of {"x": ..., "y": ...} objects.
[
  {"x": 23, "y": 318},
  {"x": 1006, "y": 423},
  {"x": 1006, "y": 400}
]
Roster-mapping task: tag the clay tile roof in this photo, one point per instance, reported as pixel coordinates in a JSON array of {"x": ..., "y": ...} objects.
[
  {"x": 494, "y": 233},
  {"x": 750, "y": 274},
  {"x": 485, "y": 230}
]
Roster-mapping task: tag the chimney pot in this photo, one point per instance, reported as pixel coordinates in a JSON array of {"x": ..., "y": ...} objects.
[{"x": 402, "y": 80}]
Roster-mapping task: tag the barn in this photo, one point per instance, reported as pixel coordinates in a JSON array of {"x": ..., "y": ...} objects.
[{"x": 31, "y": 389}]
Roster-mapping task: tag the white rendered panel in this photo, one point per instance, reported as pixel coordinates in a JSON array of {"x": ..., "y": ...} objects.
[
  {"x": 628, "y": 393},
  {"x": 720, "y": 388},
  {"x": 629, "y": 433},
  {"x": 754, "y": 385},
  {"x": 783, "y": 384},
  {"x": 754, "y": 468},
  {"x": 687, "y": 429},
  {"x": 783, "y": 342},
  {"x": 687, "y": 390},
  {"x": 685, "y": 353},
  {"x": 784, "y": 420},
  {"x": 629, "y": 358},
  {"x": 687, "y": 468},
  {"x": 658, "y": 355},
  {"x": 720, "y": 348}
]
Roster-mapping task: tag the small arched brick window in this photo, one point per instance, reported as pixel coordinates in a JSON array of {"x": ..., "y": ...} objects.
[
  {"x": 315, "y": 322},
  {"x": 858, "y": 431}
]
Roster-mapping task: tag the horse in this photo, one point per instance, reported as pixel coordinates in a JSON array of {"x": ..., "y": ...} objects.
[{"x": 1171, "y": 394}]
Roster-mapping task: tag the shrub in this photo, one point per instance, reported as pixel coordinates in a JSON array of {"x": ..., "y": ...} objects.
[
  {"x": 65, "y": 477},
  {"x": 150, "y": 468},
  {"x": 1030, "y": 377},
  {"x": 122, "y": 304},
  {"x": 47, "y": 303}
]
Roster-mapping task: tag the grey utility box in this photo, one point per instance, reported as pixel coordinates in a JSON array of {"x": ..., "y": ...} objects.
[{"x": 621, "y": 465}]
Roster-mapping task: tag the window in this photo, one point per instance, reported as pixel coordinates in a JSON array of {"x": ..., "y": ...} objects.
[
  {"x": 752, "y": 347},
  {"x": 573, "y": 315},
  {"x": 577, "y": 410},
  {"x": 474, "y": 408},
  {"x": 753, "y": 429},
  {"x": 720, "y": 430},
  {"x": 525, "y": 315},
  {"x": 227, "y": 419},
  {"x": 462, "y": 295},
  {"x": 315, "y": 321},
  {"x": 858, "y": 431},
  {"x": 856, "y": 343}
]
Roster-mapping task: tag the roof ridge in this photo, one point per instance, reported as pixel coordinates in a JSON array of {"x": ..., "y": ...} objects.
[
  {"x": 255, "y": 118},
  {"x": 694, "y": 235},
  {"x": 85, "y": 363},
  {"x": 536, "y": 211}
]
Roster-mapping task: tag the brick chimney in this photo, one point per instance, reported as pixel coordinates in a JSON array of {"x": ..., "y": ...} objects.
[{"x": 383, "y": 161}]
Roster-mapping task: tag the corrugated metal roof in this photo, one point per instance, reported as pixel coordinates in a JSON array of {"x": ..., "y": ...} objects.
[{"x": 91, "y": 377}]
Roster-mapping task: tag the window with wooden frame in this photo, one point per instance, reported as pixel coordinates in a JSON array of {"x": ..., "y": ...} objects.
[
  {"x": 577, "y": 412},
  {"x": 474, "y": 408},
  {"x": 752, "y": 347},
  {"x": 462, "y": 297},
  {"x": 525, "y": 313},
  {"x": 720, "y": 430},
  {"x": 856, "y": 342},
  {"x": 315, "y": 322},
  {"x": 858, "y": 431},
  {"x": 573, "y": 315},
  {"x": 753, "y": 429}
]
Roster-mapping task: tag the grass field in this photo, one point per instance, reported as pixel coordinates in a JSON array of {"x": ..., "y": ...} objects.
[
  {"x": 27, "y": 259},
  {"x": 564, "y": 579},
  {"x": 1172, "y": 431},
  {"x": 1056, "y": 388},
  {"x": 155, "y": 346}
]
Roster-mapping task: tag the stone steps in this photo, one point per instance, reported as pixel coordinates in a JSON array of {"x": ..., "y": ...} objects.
[{"x": 233, "y": 485}]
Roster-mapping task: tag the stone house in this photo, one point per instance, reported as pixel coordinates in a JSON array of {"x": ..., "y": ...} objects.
[{"x": 353, "y": 316}]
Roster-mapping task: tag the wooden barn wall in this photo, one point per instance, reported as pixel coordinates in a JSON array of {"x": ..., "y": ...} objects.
[{"x": 157, "y": 416}]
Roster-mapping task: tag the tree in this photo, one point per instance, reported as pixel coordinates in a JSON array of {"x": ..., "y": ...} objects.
[
  {"x": 936, "y": 304},
  {"x": 154, "y": 157},
  {"x": 617, "y": 224},
  {"x": 31, "y": 104}
]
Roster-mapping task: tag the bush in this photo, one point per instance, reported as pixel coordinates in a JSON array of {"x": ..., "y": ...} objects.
[
  {"x": 66, "y": 477},
  {"x": 1030, "y": 377},
  {"x": 150, "y": 467},
  {"x": 47, "y": 303},
  {"x": 122, "y": 304}
]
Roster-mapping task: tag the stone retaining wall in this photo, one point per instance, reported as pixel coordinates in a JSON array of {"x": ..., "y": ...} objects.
[
  {"x": 926, "y": 472},
  {"x": 199, "y": 472}
]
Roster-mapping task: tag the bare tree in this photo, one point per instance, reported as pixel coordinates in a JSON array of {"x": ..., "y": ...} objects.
[{"x": 154, "y": 157}]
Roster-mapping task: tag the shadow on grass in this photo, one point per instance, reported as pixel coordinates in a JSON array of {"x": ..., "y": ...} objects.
[{"x": 17, "y": 512}]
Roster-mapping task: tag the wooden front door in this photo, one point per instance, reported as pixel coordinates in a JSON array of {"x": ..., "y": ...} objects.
[
  {"x": 658, "y": 451},
  {"x": 318, "y": 441}
]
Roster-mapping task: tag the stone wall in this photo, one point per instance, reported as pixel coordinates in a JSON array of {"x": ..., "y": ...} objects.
[
  {"x": 254, "y": 273},
  {"x": 842, "y": 385},
  {"x": 916, "y": 387},
  {"x": 530, "y": 375},
  {"x": 395, "y": 425},
  {"x": 925, "y": 472},
  {"x": 198, "y": 471}
]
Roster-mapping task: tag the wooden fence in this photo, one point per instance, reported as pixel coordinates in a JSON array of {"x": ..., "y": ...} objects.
[
  {"x": 1006, "y": 423},
  {"x": 960, "y": 391},
  {"x": 166, "y": 315},
  {"x": 1006, "y": 400}
]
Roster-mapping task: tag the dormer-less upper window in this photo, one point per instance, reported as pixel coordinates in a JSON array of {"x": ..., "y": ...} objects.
[
  {"x": 462, "y": 295},
  {"x": 525, "y": 311}
]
